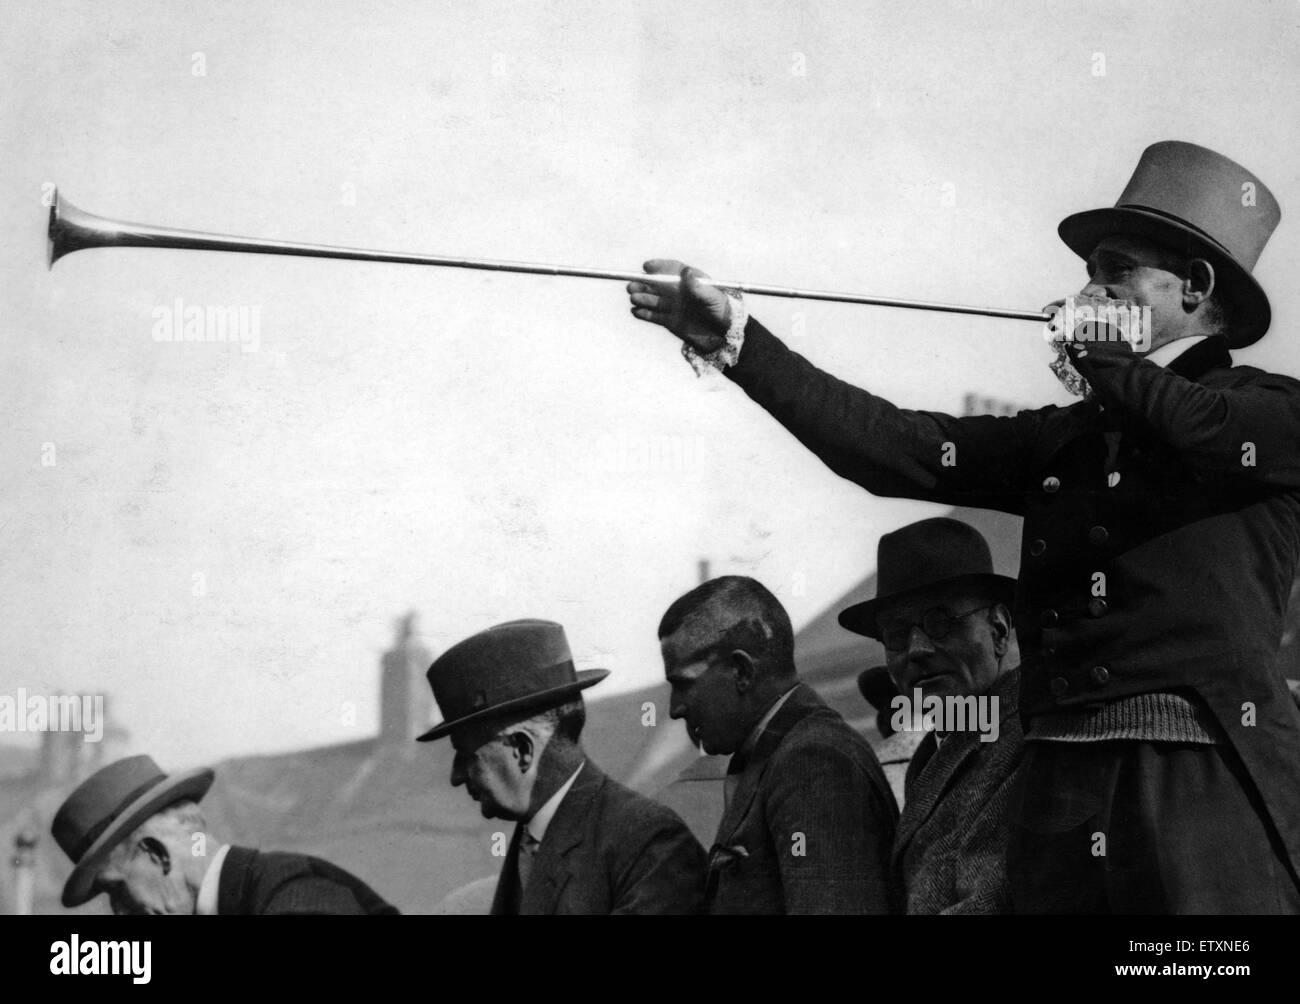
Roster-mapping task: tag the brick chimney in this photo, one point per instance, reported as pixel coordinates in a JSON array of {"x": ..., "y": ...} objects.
[{"x": 405, "y": 701}]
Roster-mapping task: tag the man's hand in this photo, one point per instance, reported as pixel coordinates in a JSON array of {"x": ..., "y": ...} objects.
[
  {"x": 1084, "y": 322},
  {"x": 697, "y": 313}
]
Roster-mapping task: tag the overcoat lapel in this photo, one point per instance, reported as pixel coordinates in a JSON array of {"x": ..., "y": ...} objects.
[
  {"x": 932, "y": 781},
  {"x": 233, "y": 890},
  {"x": 567, "y": 831},
  {"x": 932, "y": 771},
  {"x": 803, "y": 702}
]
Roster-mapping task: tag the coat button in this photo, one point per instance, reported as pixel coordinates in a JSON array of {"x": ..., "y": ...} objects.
[
  {"x": 1051, "y": 485},
  {"x": 1097, "y": 607},
  {"x": 1059, "y": 686},
  {"x": 1037, "y": 547},
  {"x": 1112, "y": 479},
  {"x": 1100, "y": 675},
  {"x": 1048, "y": 618},
  {"x": 1098, "y": 535}
]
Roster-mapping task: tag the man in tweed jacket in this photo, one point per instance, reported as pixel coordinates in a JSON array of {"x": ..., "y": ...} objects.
[
  {"x": 809, "y": 818},
  {"x": 952, "y": 837},
  {"x": 943, "y": 618}
]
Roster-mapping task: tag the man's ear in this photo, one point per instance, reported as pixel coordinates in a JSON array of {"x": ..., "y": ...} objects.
[
  {"x": 1198, "y": 286},
  {"x": 525, "y": 749},
  {"x": 157, "y": 852},
  {"x": 1000, "y": 628},
  {"x": 744, "y": 670}
]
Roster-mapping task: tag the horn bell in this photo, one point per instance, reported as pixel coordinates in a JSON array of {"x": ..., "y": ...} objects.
[{"x": 72, "y": 229}]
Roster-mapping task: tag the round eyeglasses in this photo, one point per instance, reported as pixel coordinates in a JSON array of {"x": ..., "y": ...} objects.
[{"x": 937, "y": 623}]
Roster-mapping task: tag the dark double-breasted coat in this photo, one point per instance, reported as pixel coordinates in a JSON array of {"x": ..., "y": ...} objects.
[{"x": 1161, "y": 526}]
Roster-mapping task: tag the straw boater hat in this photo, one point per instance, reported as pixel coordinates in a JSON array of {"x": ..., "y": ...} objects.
[
  {"x": 108, "y": 806},
  {"x": 1200, "y": 204},
  {"x": 511, "y": 668}
]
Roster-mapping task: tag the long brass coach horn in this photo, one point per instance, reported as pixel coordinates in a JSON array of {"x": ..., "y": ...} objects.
[{"x": 73, "y": 229}]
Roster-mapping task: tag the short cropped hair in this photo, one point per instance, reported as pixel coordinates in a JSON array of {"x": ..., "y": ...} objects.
[
  {"x": 570, "y": 718},
  {"x": 1219, "y": 313},
  {"x": 565, "y": 720},
  {"x": 735, "y": 611},
  {"x": 184, "y": 813}
]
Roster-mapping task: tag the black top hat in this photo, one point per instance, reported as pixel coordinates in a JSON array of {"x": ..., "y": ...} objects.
[
  {"x": 1201, "y": 204},
  {"x": 108, "y": 806},
  {"x": 933, "y": 552},
  {"x": 513, "y": 667}
]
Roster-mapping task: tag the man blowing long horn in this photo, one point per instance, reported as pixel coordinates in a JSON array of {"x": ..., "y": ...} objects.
[{"x": 1161, "y": 537}]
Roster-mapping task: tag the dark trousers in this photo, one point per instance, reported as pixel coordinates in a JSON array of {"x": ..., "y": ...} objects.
[{"x": 1126, "y": 827}]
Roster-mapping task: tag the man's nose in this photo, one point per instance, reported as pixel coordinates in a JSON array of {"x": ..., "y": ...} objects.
[
  {"x": 1095, "y": 289},
  {"x": 457, "y": 773},
  {"x": 676, "y": 709},
  {"x": 918, "y": 642}
]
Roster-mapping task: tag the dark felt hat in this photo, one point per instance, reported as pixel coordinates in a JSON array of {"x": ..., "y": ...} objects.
[
  {"x": 1200, "y": 204},
  {"x": 108, "y": 806},
  {"x": 933, "y": 552},
  {"x": 514, "y": 667}
]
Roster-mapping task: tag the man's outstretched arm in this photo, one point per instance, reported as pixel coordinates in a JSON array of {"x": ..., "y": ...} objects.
[{"x": 978, "y": 461}]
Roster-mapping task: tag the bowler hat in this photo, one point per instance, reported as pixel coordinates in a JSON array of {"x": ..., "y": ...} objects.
[
  {"x": 933, "y": 552},
  {"x": 513, "y": 667},
  {"x": 1200, "y": 204},
  {"x": 108, "y": 806}
]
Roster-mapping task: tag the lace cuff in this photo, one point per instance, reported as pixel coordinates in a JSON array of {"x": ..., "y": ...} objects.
[
  {"x": 1071, "y": 379},
  {"x": 729, "y": 353}
]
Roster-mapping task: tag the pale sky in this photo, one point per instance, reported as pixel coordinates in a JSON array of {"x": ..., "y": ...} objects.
[{"x": 483, "y": 447}]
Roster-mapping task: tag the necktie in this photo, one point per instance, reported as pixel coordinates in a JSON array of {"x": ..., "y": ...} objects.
[{"x": 528, "y": 845}]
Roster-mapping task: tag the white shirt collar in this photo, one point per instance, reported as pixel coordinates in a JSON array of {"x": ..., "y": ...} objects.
[
  {"x": 1170, "y": 351},
  {"x": 206, "y": 904},
  {"x": 543, "y": 816}
]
